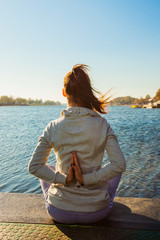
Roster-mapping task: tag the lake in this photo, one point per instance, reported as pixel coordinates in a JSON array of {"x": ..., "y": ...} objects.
[{"x": 138, "y": 132}]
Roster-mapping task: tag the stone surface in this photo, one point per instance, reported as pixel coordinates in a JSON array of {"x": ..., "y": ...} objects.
[
  {"x": 135, "y": 213},
  {"x": 24, "y": 208}
]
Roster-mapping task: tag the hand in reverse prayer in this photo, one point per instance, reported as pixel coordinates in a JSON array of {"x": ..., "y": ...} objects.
[
  {"x": 70, "y": 174},
  {"x": 74, "y": 171}
]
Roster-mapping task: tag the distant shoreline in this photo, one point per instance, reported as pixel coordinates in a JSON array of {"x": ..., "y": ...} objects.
[
  {"x": 24, "y": 105},
  {"x": 119, "y": 101}
]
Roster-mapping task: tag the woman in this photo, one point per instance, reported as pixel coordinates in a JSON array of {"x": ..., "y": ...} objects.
[{"x": 79, "y": 190}]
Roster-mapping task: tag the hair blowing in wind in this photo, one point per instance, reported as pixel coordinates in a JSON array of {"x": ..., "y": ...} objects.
[{"x": 77, "y": 85}]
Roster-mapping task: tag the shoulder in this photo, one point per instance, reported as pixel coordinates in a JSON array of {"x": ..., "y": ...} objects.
[
  {"x": 104, "y": 121},
  {"x": 49, "y": 128}
]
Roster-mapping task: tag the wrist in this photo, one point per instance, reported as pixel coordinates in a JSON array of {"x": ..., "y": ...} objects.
[{"x": 81, "y": 181}]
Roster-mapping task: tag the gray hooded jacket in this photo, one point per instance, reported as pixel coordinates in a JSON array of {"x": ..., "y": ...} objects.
[{"x": 86, "y": 132}]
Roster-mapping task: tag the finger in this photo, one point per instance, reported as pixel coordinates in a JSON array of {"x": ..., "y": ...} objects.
[
  {"x": 71, "y": 172},
  {"x": 70, "y": 169},
  {"x": 76, "y": 160},
  {"x": 72, "y": 159}
]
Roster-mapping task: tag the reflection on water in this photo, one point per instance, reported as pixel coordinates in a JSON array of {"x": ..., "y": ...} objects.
[{"x": 138, "y": 132}]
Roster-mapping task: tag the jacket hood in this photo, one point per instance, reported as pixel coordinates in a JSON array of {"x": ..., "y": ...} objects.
[{"x": 78, "y": 112}]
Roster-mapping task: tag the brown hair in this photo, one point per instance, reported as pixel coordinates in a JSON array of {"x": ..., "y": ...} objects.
[{"x": 78, "y": 88}]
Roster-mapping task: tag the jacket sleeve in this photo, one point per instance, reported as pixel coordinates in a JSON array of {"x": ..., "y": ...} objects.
[
  {"x": 116, "y": 163},
  {"x": 37, "y": 164}
]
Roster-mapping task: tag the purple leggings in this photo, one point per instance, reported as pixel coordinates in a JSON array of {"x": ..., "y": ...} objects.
[{"x": 69, "y": 217}]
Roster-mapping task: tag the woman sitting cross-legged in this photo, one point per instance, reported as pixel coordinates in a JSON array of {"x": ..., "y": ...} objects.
[{"x": 79, "y": 189}]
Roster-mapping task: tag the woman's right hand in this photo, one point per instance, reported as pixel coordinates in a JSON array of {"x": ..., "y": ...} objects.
[{"x": 77, "y": 168}]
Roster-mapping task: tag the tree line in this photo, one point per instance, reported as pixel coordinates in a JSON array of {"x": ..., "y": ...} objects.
[
  {"x": 128, "y": 100},
  {"x": 10, "y": 101}
]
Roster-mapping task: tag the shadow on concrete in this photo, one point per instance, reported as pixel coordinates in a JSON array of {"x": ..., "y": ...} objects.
[
  {"x": 128, "y": 226},
  {"x": 121, "y": 216},
  {"x": 121, "y": 223},
  {"x": 106, "y": 233}
]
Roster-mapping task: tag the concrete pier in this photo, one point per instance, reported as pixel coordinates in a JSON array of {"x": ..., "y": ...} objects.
[{"x": 128, "y": 213}]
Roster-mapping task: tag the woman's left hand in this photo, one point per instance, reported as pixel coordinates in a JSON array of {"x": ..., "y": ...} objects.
[
  {"x": 77, "y": 169},
  {"x": 70, "y": 174}
]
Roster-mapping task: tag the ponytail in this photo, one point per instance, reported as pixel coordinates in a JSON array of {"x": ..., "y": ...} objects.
[{"x": 78, "y": 88}]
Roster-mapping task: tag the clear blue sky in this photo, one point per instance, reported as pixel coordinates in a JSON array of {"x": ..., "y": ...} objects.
[{"x": 40, "y": 41}]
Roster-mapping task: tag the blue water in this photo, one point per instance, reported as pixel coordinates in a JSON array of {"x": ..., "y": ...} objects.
[{"x": 138, "y": 131}]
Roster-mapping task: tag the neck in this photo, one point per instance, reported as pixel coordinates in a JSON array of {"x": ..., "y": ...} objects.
[{"x": 71, "y": 103}]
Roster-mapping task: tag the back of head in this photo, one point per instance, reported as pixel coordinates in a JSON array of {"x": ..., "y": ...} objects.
[{"x": 79, "y": 90}]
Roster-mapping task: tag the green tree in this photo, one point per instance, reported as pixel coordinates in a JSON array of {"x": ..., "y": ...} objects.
[
  {"x": 20, "y": 101},
  {"x": 5, "y": 100},
  {"x": 38, "y": 102},
  {"x": 30, "y": 101},
  {"x": 157, "y": 96},
  {"x": 147, "y": 98},
  {"x": 123, "y": 100},
  {"x": 139, "y": 101},
  {"x": 50, "y": 103}
]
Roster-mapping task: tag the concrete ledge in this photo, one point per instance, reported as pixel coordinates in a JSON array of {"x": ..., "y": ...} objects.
[{"x": 133, "y": 213}]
